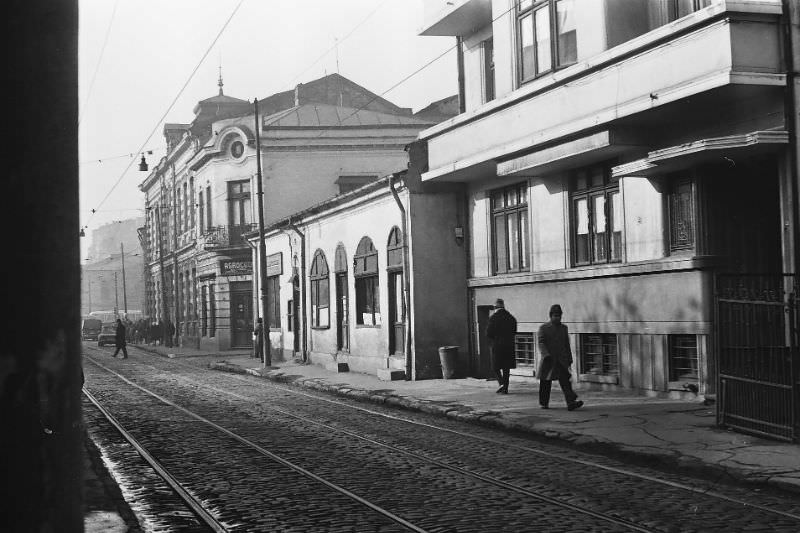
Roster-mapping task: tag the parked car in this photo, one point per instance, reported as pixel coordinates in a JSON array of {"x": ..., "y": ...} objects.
[
  {"x": 108, "y": 334},
  {"x": 90, "y": 329}
]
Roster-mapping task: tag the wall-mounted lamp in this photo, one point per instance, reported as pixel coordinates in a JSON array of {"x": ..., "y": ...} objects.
[
  {"x": 458, "y": 231},
  {"x": 82, "y": 233}
]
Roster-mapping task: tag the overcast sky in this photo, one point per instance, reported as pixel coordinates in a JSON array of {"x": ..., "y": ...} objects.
[{"x": 136, "y": 55}]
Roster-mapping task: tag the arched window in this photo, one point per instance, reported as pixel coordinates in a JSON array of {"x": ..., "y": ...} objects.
[
  {"x": 365, "y": 270},
  {"x": 320, "y": 291},
  {"x": 394, "y": 250}
]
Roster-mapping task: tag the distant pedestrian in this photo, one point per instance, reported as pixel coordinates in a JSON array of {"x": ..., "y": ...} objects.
[
  {"x": 258, "y": 334},
  {"x": 556, "y": 360},
  {"x": 170, "y": 332},
  {"x": 501, "y": 332},
  {"x": 119, "y": 340}
]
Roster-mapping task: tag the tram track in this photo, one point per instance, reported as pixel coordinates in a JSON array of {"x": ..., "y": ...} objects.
[
  {"x": 449, "y": 464},
  {"x": 625, "y": 525},
  {"x": 705, "y": 492}
]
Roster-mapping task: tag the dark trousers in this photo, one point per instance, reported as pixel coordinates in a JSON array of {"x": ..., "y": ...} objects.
[
  {"x": 503, "y": 375},
  {"x": 124, "y": 351},
  {"x": 564, "y": 380}
]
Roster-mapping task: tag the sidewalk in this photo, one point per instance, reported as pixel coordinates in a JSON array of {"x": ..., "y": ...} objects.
[{"x": 675, "y": 433}]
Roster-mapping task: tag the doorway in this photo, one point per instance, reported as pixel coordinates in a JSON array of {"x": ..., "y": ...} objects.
[
  {"x": 342, "y": 312},
  {"x": 397, "y": 315},
  {"x": 241, "y": 314}
]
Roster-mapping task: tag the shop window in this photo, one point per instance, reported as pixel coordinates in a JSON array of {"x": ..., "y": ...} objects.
[
  {"x": 510, "y": 239},
  {"x": 596, "y": 217},
  {"x": 683, "y": 361},
  {"x": 680, "y": 213},
  {"x": 599, "y": 354},
  {"x": 320, "y": 291},
  {"x": 524, "y": 349},
  {"x": 365, "y": 271},
  {"x": 274, "y": 301},
  {"x": 547, "y": 36}
]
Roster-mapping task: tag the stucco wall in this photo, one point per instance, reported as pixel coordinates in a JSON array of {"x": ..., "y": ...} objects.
[
  {"x": 548, "y": 224},
  {"x": 438, "y": 264},
  {"x": 643, "y": 208}
]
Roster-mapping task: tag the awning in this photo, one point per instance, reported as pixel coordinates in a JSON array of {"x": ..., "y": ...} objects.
[
  {"x": 713, "y": 149},
  {"x": 575, "y": 153},
  {"x": 459, "y": 17}
]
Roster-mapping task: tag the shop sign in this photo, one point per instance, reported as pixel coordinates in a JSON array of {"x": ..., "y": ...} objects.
[
  {"x": 275, "y": 264},
  {"x": 230, "y": 267}
]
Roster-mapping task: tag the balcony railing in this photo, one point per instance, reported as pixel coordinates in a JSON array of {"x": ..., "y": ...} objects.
[{"x": 225, "y": 236}]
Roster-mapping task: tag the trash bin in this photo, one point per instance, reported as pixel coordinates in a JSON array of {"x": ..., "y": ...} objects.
[{"x": 448, "y": 355}]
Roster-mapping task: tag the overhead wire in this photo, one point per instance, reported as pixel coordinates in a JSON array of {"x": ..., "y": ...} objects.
[
  {"x": 169, "y": 108},
  {"x": 99, "y": 60}
]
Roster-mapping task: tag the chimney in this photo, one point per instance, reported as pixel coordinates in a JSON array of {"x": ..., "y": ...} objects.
[{"x": 297, "y": 94}]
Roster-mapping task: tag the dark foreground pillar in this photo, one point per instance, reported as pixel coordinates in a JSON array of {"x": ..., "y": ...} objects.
[{"x": 40, "y": 370}]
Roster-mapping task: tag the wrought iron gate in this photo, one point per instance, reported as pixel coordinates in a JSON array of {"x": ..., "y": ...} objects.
[{"x": 757, "y": 347}]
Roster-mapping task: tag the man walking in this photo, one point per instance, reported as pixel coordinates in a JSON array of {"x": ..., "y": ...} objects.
[
  {"x": 556, "y": 360},
  {"x": 119, "y": 340},
  {"x": 501, "y": 331}
]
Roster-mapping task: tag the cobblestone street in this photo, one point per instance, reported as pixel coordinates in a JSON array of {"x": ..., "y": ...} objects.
[{"x": 299, "y": 461}]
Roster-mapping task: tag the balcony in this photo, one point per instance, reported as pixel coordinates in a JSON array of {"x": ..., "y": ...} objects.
[
  {"x": 227, "y": 236},
  {"x": 713, "y": 59}
]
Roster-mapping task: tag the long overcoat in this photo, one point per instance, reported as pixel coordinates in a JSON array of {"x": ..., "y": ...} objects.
[
  {"x": 119, "y": 335},
  {"x": 553, "y": 348},
  {"x": 501, "y": 331}
]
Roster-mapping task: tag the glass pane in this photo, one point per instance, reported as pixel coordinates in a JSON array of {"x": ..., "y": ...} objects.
[
  {"x": 523, "y": 229},
  {"x": 525, "y": 4},
  {"x": 513, "y": 241},
  {"x": 324, "y": 292},
  {"x": 596, "y": 176},
  {"x": 581, "y": 231},
  {"x": 615, "y": 215},
  {"x": 543, "y": 60},
  {"x": 500, "y": 251},
  {"x": 526, "y": 36},
  {"x": 599, "y": 219},
  {"x": 398, "y": 298},
  {"x": 581, "y": 180},
  {"x": 511, "y": 197},
  {"x": 567, "y": 40}
]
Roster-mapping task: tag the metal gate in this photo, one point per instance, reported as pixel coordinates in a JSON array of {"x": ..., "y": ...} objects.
[{"x": 757, "y": 347}]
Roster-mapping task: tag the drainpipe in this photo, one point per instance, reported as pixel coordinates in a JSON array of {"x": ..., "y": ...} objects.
[
  {"x": 302, "y": 286},
  {"x": 406, "y": 278},
  {"x": 791, "y": 14}
]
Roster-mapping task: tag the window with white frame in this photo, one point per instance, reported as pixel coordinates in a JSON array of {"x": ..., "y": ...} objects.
[
  {"x": 599, "y": 355},
  {"x": 596, "y": 216},
  {"x": 365, "y": 271},
  {"x": 510, "y": 239},
  {"x": 547, "y": 36},
  {"x": 320, "y": 291}
]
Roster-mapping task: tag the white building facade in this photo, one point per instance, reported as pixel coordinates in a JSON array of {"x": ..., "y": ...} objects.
[{"x": 617, "y": 157}]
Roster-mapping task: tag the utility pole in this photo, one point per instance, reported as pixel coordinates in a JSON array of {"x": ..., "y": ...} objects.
[
  {"x": 262, "y": 248},
  {"x": 116, "y": 296},
  {"x": 124, "y": 290}
]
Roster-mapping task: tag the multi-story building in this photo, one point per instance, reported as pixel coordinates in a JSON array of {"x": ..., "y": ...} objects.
[
  {"x": 619, "y": 157},
  {"x": 326, "y": 136}
]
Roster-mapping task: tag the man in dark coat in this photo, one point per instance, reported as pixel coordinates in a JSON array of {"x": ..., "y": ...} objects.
[
  {"x": 501, "y": 332},
  {"x": 556, "y": 358},
  {"x": 119, "y": 340},
  {"x": 259, "y": 335}
]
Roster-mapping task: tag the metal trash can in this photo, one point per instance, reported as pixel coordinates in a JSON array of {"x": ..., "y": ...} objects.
[{"x": 448, "y": 355}]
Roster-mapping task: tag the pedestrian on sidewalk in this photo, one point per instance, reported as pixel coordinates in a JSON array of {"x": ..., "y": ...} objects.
[
  {"x": 556, "y": 360},
  {"x": 119, "y": 340},
  {"x": 501, "y": 331},
  {"x": 258, "y": 333}
]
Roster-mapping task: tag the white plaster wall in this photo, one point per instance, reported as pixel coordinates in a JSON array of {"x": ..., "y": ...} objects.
[
  {"x": 504, "y": 36},
  {"x": 548, "y": 216},
  {"x": 643, "y": 208},
  {"x": 474, "y": 72}
]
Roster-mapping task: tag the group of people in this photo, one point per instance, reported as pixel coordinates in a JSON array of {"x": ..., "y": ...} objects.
[
  {"x": 556, "y": 355},
  {"x": 140, "y": 331}
]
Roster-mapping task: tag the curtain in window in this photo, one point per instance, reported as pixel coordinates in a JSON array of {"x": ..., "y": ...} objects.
[{"x": 542, "y": 36}]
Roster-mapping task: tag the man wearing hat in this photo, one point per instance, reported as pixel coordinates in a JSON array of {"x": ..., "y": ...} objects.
[
  {"x": 556, "y": 360},
  {"x": 501, "y": 331}
]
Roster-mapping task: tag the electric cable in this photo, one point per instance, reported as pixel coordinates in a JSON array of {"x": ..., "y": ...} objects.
[
  {"x": 169, "y": 108},
  {"x": 99, "y": 60}
]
